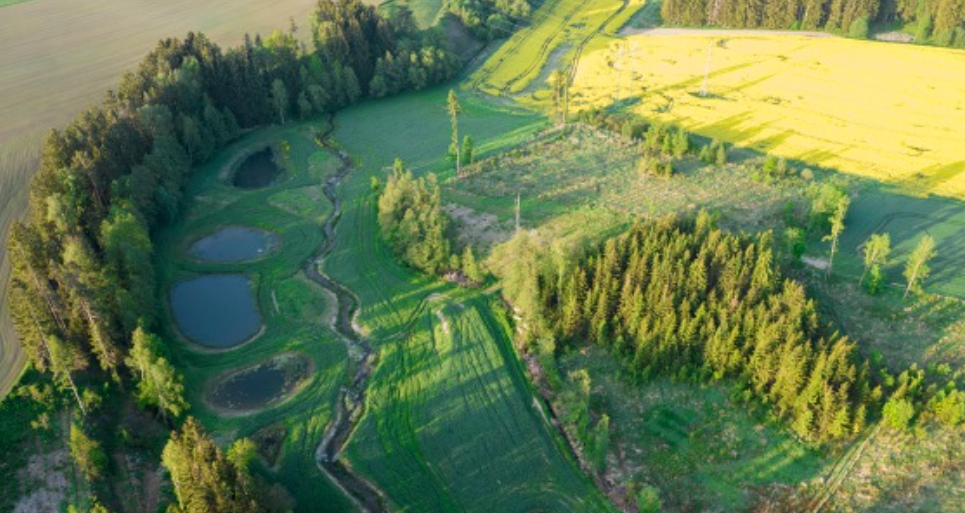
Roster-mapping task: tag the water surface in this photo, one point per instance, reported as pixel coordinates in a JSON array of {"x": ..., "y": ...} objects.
[
  {"x": 234, "y": 244},
  {"x": 216, "y": 310},
  {"x": 256, "y": 171}
]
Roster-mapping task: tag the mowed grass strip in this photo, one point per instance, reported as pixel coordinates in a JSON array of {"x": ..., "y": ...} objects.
[
  {"x": 878, "y": 110},
  {"x": 296, "y": 311},
  {"x": 452, "y": 425}
]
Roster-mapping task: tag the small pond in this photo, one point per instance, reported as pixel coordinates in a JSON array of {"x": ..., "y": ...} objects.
[
  {"x": 262, "y": 385},
  {"x": 256, "y": 171},
  {"x": 216, "y": 310},
  {"x": 234, "y": 244}
]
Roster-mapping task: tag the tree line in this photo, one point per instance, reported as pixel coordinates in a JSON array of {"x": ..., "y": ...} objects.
[
  {"x": 937, "y": 21},
  {"x": 83, "y": 285}
]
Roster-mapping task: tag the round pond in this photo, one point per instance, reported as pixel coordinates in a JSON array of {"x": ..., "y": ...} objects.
[
  {"x": 216, "y": 310},
  {"x": 234, "y": 244},
  {"x": 262, "y": 385},
  {"x": 257, "y": 170}
]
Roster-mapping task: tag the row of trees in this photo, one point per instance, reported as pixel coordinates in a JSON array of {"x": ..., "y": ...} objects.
[
  {"x": 939, "y": 21},
  {"x": 83, "y": 287}
]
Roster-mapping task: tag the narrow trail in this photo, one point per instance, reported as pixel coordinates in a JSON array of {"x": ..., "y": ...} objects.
[{"x": 351, "y": 400}]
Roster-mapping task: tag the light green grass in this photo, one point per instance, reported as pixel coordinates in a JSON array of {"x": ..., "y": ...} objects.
[
  {"x": 301, "y": 322},
  {"x": 556, "y": 24},
  {"x": 452, "y": 425},
  {"x": 701, "y": 450},
  {"x": 4, "y": 3},
  {"x": 429, "y": 449}
]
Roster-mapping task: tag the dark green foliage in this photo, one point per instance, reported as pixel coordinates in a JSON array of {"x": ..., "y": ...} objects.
[
  {"x": 82, "y": 277},
  {"x": 490, "y": 19},
  {"x": 941, "y": 17},
  {"x": 411, "y": 219},
  {"x": 685, "y": 299}
]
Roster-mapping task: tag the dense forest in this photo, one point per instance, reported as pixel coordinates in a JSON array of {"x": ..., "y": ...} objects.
[
  {"x": 938, "y": 21},
  {"x": 685, "y": 299},
  {"x": 83, "y": 285}
]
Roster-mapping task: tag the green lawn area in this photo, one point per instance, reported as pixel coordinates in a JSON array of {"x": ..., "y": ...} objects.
[
  {"x": 295, "y": 311},
  {"x": 440, "y": 427}
]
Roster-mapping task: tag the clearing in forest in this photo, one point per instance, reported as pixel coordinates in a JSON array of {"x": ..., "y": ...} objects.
[{"x": 884, "y": 111}]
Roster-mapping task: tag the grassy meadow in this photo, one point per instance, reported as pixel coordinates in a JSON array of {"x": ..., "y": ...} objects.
[
  {"x": 297, "y": 313},
  {"x": 418, "y": 439},
  {"x": 882, "y": 111}
]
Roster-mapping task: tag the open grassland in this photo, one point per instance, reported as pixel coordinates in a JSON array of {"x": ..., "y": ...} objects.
[
  {"x": 558, "y": 26},
  {"x": 418, "y": 440},
  {"x": 888, "y": 112},
  {"x": 452, "y": 424},
  {"x": 59, "y": 56},
  {"x": 701, "y": 450},
  {"x": 296, "y": 311},
  {"x": 586, "y": 170}
]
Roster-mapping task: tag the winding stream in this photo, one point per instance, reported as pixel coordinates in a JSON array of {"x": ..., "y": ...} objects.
[{"x": 351, "y": 398}]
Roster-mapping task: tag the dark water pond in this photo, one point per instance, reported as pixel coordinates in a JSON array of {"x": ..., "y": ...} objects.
[
  {"x": 262, "y": 385},
  {"x": 257, "y": 171},
  {"x": 216, "y": 310},
  {"x": 234, "y": 244}
]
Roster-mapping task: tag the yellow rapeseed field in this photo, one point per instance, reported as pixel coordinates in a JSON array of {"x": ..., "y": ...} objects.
[{"x": 887, "y": 111}]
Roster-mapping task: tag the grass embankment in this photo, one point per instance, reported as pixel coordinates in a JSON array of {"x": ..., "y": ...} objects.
[
  {"x": 296, "y": 312},
  {"x": 854, "y": 106},
  {"x": 556, "y": 36},
  {"x": 440, "y": 425},
  {"x": 59, "y": 56}
]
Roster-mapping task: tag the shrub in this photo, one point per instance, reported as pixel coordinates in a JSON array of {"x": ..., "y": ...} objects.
[
  {"x": 859, "y": 28},
  {"x": 648, "y": 500},
  {"x": 898, "y": 412}
]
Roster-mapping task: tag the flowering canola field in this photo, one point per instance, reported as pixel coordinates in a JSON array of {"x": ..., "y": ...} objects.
[{"x": 889, "y": 112}]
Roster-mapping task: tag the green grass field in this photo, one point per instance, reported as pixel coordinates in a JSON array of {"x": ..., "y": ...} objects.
[
  {"x": 299, "y": 322},
  {"x": 417, "y": 439}
]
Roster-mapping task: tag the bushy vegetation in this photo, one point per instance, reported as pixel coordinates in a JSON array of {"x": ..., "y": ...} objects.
[
  {"x": 943, "y": 19},
  {"x": 411, "y": 219},
  {"x": 490, "y": 19}
]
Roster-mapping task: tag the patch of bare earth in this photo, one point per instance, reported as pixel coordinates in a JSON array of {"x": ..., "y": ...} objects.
[
  {"x": 44, "y": 483},
  {"x": 480, "y": 230}
]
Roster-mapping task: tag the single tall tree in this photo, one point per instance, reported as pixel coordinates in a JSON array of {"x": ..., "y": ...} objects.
[
  {"x": 454, "y": 109},
  {"x": 837, "y": 228},
  {"x": 876, "y": 252},
  {"x": 917, "y": 268},
  {"x": 279, "y": 97}
]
